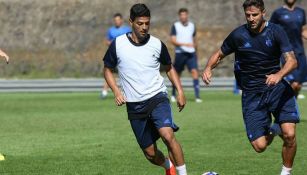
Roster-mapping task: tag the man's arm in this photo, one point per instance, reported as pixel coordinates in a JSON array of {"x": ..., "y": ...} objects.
[
  {"x": 213, "y": 61},
  {"x": 304, "y": 32},
  {"x": 290, "y": 65},
  {"x": 3, "y": 54},
  {"x": 174, "y": 78},
  {"x": 108, "y": 75}
]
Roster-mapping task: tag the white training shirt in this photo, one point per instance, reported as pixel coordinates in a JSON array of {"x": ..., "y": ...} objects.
[
  {"x": 184, "y": 34},
  {"x": 138, "y": 66}
]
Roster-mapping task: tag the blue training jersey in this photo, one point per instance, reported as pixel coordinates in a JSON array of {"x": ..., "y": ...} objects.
[
  {"x": 256, "y": 55},
  {"x": 292, "y": 22},
  {"x": 114, "y": 32}
]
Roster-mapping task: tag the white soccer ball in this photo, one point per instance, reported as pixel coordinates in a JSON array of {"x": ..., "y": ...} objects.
[{"x": 210, "y": 173}]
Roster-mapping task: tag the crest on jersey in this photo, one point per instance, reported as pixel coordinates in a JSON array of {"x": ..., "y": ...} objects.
[
  {"x": 268, "y": 42},
  {"x": 286, "y": 17},
  {"x": 247, "y": 45}
]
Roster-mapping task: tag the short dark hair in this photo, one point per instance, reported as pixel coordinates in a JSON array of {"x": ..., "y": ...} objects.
[
  {"x": 139, "y": 10},
  {"x": 117, "y": 15},
  {"x": 257, "y": 3},
  {"x": 181, "y": 10}
]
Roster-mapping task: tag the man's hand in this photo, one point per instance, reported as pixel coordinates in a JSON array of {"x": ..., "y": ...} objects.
[
  {"x": 207, "y": 74},
  {"x": 181, "y": 101},
  {"x": 273, "y": 79},
  {"x": 119, "y": 99},
  {"x": 189, "y": 44},
  {"x": 3, "y": 54}
]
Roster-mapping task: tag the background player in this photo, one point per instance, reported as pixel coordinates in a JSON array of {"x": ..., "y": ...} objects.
[
  {"x": 3, "y": 54},
  {"x": 138, "y": 56},
  {"x": 118, "y": 29},
  {"x": 258, "y": 46},
  {"x": 293, "y": 21},
  {"x": 183, "y": 37}
]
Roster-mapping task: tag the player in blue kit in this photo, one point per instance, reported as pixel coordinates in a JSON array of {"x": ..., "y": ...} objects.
[
  {"x": 258, "y": 46},
  {"x": 293, "y": 21},
  {"x": 138, "y": 56},
  {"x": 118, "y": 29}
]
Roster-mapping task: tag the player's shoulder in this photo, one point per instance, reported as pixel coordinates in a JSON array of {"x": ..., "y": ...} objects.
[
  {"x": 300, "y": 10},
  {"x": 155, "y": 40},
  {"x": 239, "y": 30},
  {"x": 279, "y": 10},
  {"x": 273, "y": 26}
]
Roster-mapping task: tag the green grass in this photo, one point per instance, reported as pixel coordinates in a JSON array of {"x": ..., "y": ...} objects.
[{"x": 77, "y": 133}]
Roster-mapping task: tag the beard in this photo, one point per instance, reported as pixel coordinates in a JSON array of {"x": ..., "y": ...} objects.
[
  {"x": 141, "y": 37},
  {"x": 290, "y": 4}
]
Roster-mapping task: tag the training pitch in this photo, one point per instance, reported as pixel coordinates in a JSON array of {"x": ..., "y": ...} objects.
[{"x": 77, "y": 133}]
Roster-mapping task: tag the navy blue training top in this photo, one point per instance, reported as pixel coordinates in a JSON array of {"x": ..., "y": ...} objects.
[
  {"x": 292, "y": 22},
  {"x": 256, "y": 55}
]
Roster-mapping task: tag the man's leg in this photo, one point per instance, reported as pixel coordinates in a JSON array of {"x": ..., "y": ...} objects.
[
  {"x": 174, "y": 148},
  {"x": 289, "y": 147},
  {"x": 154, "y": 155},
  {"x": 194, "y": 74},
  {"x": 179, "y": 67}
]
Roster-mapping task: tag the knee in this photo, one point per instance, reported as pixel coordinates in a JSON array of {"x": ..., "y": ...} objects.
[
  {"x": 259, "y": 147},
  {"x": 150, "y": 153},
  {"x": 168, "y": 138},
  {"x": 289, "y": 139},
  {"x": 194, "y": 73}
]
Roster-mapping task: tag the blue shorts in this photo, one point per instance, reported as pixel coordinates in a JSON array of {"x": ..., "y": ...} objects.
[
  {"x": 257, "y": 109},
  {"x": 183, "y": 59},
  {"x": 146, "y": 129},
  {"x": 300, "y": 73}
]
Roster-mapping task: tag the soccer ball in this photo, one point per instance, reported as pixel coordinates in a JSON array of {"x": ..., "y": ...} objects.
[{"x": 210, "y": 173}]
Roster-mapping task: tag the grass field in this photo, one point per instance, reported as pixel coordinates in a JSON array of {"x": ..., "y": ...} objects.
[{"x": 77, "y": 133}]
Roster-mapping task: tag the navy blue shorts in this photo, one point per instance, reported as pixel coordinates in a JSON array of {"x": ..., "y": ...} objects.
[
  {"x": 300, "y": 73},
  {"x": 146, "y": 129},
  {"x": 257, "y": 109},
  {"x": 182, "y": 59}
]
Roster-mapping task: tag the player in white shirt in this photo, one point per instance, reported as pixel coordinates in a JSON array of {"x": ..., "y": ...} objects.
[{"x": 138, "y": 56}]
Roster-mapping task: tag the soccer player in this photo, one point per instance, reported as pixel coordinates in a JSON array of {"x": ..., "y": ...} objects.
[
  {"x": 183, "y": 37},
  {"x": 3, "y": 54},
  {"x": 138, "y": 56},
  {"x": 118, "y": 29},
  {"x": 293, "y": 21},
  {"x": 258, "y": 45}
]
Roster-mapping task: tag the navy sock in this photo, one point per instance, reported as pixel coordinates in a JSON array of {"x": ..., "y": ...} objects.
[{"x": 196, "y": 87}]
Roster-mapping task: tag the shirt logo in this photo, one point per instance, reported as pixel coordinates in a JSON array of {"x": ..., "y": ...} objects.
[
  {"x": 247, "y": 45},
  {"x": 286, "y": 17},
  {"x": 268, "y": 42}
]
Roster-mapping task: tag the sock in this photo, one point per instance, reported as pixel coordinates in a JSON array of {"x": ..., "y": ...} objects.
[
  {"x": 285, "y": 171},
  {"x": 174, "y": 91},
  {"x": 196, "y": 87},
  {"x": 182, "y": 170},
  {"x": 167, "y": 164}
]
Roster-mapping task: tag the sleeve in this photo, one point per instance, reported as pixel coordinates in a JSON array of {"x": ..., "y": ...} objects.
[
  {"x": 228, "y": 45},
  {"x": 195, "y": 31},
  {"x": 108, "y": 35},
  {"x": 274, "y": 18},
  {"x": 173, "y": 30},
  {"x": 110, "y": 58},
  {"x": 304, "y": 18},
  {"x": 283, "y": 40},
  {"x": 164, "y": 58}
]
